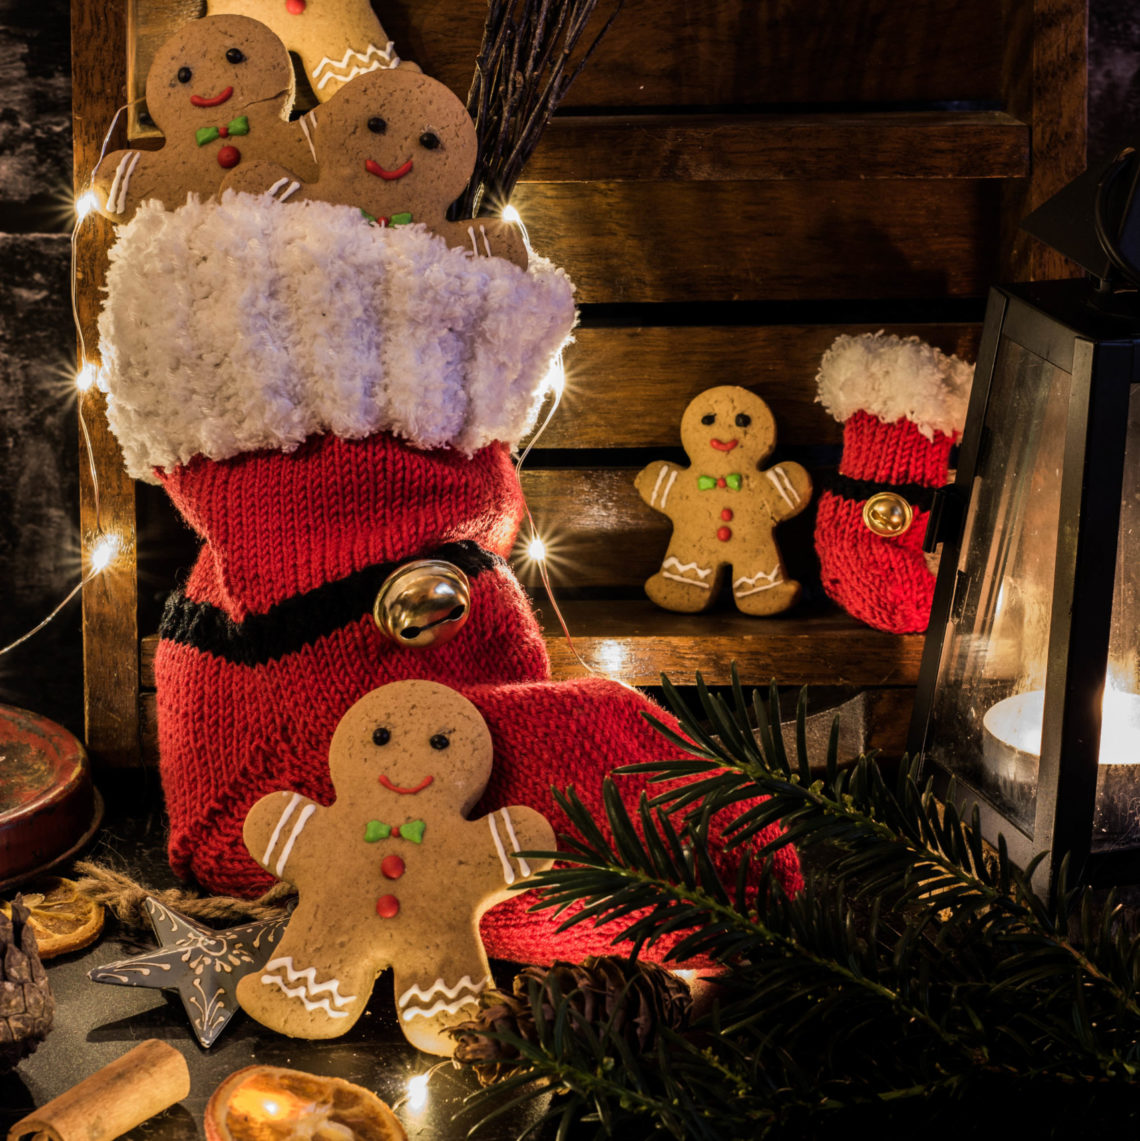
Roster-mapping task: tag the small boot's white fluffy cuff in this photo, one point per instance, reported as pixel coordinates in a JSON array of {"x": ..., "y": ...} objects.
[
  {"x": 895, "y": 378},
  {"x": 246, "y": 324}
]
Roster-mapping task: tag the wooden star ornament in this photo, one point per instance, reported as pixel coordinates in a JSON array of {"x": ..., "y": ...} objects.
[{"x": 202, "y": 964}]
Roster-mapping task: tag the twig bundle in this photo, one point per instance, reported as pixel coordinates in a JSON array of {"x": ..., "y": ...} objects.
[{"x": 526, "y": 64}]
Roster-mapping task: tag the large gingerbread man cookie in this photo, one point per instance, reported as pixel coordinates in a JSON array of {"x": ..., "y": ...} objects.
[
  {"x": 392, "y": 873},
  {"x": 723, "y": 508},
  {"x": 220, "y": 90},
  {"x": 399, "y": 146},
  {"x": 335, "y": 40}
]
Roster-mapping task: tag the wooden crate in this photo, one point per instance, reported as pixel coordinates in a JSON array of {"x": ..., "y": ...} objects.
[{"x": 730, "y": 186}]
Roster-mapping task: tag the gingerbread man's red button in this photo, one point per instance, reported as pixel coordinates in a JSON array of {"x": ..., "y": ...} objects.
[
  {"x": 726, "y": 514},
  {"x": 392, "y": 867},
  {"x": 387, "y": 906},
  {"x": 724, "y": 534}
]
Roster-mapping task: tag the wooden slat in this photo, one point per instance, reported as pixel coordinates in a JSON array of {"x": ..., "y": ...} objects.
[
  {"x": 672, "y": 53},
  {"x": 723, "y": 241},
  {"x": 599, "y": 533},
  {"x": 627, "y": 386},
  {"x": 710, "y": 148},
  {"x": 1045, "y": 84},
  {"x": 636, "y": 642},
  {"x": 110, "y": 629},
  {"x": 888, "y": 717}
]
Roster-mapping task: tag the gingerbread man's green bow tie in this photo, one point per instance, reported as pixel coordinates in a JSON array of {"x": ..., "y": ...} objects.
[
  {"x": 404, "y": 219},
  {"x": 238, "y": 126},
  {"x": 412, "y": 830},
  {"x": 708, "y": 482}
]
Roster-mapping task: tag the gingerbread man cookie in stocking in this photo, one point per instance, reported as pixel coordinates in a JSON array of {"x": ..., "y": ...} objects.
[
  {"x": 392, "y": 873},
  {"x": 220, "y": 89},
  {"x": 723, "y": 508},
  {"x": 335, "y": 40},
  {"x": 400, "y": 147}
]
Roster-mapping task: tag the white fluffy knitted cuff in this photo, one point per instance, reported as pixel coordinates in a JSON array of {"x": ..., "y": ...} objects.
[
  {"x": 894, "y": 379},
  {"x": 246, "y": 324}
]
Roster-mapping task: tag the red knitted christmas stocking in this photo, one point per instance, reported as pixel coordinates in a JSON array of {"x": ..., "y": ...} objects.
[
  {"x": 323, "y": 402},
  {"x": 902, "y": 404}
]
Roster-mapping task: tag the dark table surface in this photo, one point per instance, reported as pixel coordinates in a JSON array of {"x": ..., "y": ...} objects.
[{"x": 96, "y": 1023}]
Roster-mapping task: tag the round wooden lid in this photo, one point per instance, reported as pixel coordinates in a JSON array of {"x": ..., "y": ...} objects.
[{"x": 48, "y": 806}]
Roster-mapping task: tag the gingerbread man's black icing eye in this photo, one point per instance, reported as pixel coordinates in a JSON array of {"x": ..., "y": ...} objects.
[
  {"x": 440, "y": 741},
  {"x": 708, "y": 418},
  {"x": 743, "y": 419},
  {"x": 235, "y": 55},
  {"x": 377, "y": 125},
  {"x": 381, "y": 736},
  {"x": 185, "y": 75},
  {"x": 429, "y": 140}
]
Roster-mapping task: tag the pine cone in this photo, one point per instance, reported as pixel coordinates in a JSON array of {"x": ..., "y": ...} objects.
[
  {"x": 640, "y": 999},
  {"x": 26, "y": 1003}
]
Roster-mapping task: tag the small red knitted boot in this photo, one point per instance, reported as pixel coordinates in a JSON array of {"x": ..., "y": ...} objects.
[{"x": 902, "y": 404}]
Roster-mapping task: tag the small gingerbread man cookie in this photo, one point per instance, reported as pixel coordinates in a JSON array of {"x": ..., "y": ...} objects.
[
  {"x": 400, "y": 147},
  {"x": 220, "y": 89},
  {"x": 723, "y": 508},
  {"x": 392, "y": 873},
  {"x": 335, "y": 40}
]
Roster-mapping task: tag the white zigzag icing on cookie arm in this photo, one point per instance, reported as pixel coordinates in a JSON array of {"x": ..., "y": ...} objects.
[
  {"x": 309, "y": 977},
  {"x": 440, "y": 987}
]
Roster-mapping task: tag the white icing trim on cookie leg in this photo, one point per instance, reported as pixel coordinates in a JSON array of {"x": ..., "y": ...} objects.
[
  {"x": 772, "y": 578},
  {"x": 783, "y": 485},
  {"x": 373, "y": 58},
  {"x": 309, "y": 987},
  {"x": 682, "y": 570},
  {"x": 463, "y": 993},
  {"x": 120, "y": 186},
  {"x": 292, "y": 187}
]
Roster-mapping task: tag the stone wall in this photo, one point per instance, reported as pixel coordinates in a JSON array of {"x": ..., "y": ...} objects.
[{"x": 39, "y": 537}]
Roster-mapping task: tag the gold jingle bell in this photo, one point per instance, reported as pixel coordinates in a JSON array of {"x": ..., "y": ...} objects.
[
  {"x": 888, "y": 514},
  {"x": 423, "y": 603}
]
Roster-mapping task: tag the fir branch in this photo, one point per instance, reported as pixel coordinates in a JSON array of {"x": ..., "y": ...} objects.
[{"x": 915, "y": 965}]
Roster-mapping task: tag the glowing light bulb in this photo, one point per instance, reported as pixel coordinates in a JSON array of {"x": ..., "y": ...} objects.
[
  {"x": 103, "y": 553},
  {"x": 510, "y": 214},
  {"x": 86, "y": 376},
  {"x": 536, "y": 549},
  {"x": 417, "y": 1091},
  {"x": 556, "y": 378},
  {"x": 84, "y": 204}
]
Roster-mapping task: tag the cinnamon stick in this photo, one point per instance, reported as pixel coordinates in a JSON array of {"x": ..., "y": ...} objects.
[{"x": 113, "y": 1100}]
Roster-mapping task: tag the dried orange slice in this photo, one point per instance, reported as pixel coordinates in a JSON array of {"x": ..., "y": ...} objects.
[
  {"x": 269, "y": 1103},
  {"x": 63, "y": 918}
]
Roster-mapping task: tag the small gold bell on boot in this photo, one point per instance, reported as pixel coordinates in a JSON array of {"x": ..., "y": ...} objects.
[
  {"x": 888, "y": 514},
  {"x": 423, "y": 603}
]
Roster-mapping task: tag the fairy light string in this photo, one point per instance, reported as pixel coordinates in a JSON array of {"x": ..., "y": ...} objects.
[{"x": 102, "y": 548}]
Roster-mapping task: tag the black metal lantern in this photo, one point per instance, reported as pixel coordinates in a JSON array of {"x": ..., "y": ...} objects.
[{"x": 1029, "y": 694}]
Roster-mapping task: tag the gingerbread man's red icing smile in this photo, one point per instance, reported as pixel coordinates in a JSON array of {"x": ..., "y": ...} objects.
[
  {"x": 213, "y": 100},
  {"x": 405, "y": 791},
  {"x": 388, "y": 175}
]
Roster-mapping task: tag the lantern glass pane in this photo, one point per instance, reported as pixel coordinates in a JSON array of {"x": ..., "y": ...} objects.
[
  {"x": 1116, "y": 820},
  {"x": 986, "y": 716}
]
